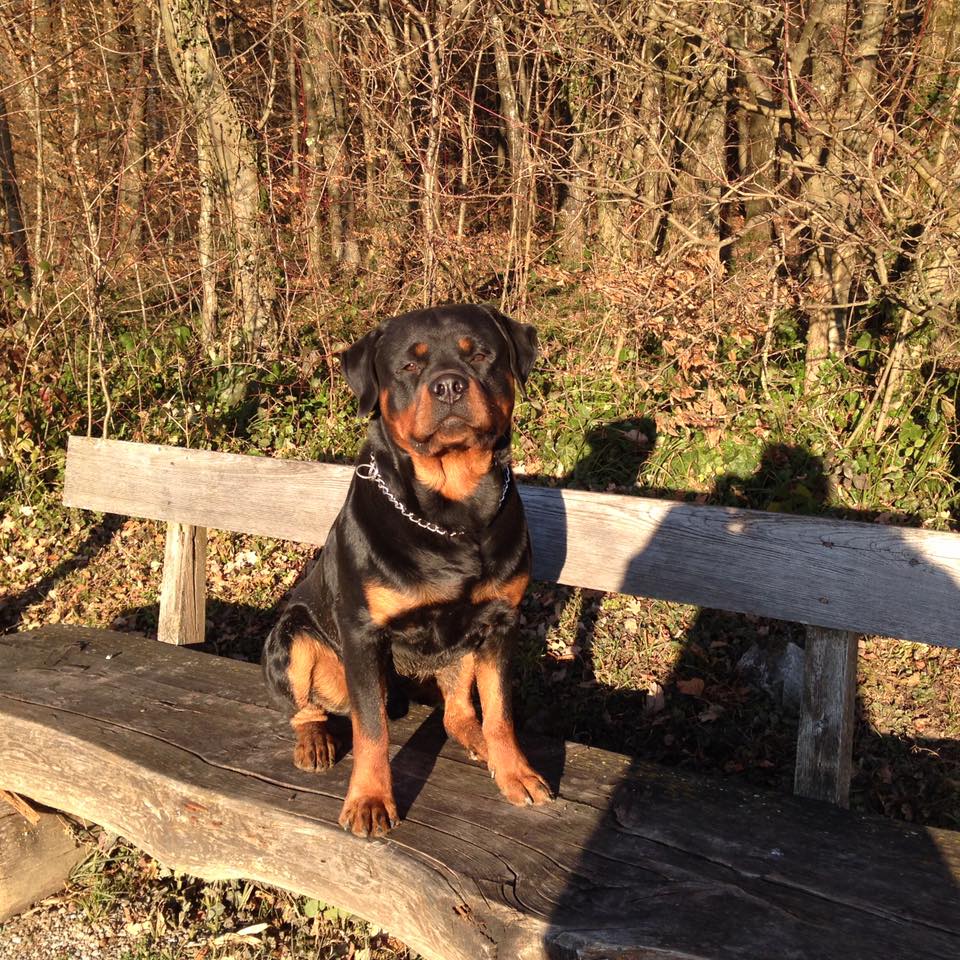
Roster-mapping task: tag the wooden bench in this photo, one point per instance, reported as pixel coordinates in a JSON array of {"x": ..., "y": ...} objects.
[{"x": 182, "y": 753}]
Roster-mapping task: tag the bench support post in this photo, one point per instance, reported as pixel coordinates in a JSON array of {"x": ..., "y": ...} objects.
[
  {"x": 183, "y": 592},
  {"x": 825, "y": 736},
  {"x": 35, "y": 859}
]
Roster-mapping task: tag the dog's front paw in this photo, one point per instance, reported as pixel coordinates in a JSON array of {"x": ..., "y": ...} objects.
[
  {"x": 316, "y": 748},
  {"x": 521, "y": 784},
  {"x": 369, "y": 815}
]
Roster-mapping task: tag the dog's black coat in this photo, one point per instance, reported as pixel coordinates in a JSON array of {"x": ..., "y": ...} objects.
[{"x": 440, "y": 386}]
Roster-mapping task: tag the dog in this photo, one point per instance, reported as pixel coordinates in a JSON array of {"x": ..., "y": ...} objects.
[{"x": 425, "y": 566}]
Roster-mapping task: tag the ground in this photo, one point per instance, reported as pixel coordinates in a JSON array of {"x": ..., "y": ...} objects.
[{"x": 122, "y": 905}]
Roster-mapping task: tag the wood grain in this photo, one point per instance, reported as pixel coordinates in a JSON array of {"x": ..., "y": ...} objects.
[
  {"x": 183, "y": 591},
  {"x": 825, "y": 734},
  {"x": 287, "y": 499},
  {"x": 20, "y": 806},
  {"x": 179, "y": 752},
  {"x": 868, "y": 578}
]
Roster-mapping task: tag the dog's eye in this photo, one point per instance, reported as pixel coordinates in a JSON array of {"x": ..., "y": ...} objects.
[
  {"x": 479, "y": 358},
  {"x": 411, "y": 367}
]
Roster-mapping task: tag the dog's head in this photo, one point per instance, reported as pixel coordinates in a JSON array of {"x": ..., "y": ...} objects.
[{"x": 442, "y": 379}]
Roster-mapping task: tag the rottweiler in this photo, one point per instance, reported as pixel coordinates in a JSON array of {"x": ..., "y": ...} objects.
[{"x": 425, "y": 566}]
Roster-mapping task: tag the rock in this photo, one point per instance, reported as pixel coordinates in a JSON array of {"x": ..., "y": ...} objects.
[{"x": 777, "y": 668}]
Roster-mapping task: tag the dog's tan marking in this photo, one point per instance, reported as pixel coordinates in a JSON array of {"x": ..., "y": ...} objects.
[
  {"x": 386, "y": 603},
  {"x": 459, "y": 716},
  {"x": 456, "y": 473},
  {"x": 316, "y": 675},
  {"x": 511, "y": 590},
  {"x": 369, "y": 808},
  {"x": 517, "y": 780}
]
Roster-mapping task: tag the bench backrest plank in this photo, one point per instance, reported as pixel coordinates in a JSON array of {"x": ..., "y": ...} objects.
[{"x": 868, "y": 578}]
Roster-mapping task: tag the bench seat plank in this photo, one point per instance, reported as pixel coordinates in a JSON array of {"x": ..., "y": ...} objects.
[
  {"x": 181, "y": 753},
  {"x": 867, "y": 578}
]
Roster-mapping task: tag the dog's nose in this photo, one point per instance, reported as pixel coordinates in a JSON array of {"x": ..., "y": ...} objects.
[{"x": 448, "y": 387}]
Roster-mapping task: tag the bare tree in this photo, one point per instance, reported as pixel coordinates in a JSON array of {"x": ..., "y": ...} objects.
[
  {"x": 328, "y": 142},
  {"x": 15, "y": 232},
  {"x": 461, "y": 144},
  {"x": 234, "y": 155}
]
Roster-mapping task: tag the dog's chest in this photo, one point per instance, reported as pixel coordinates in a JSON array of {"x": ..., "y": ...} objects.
[{"x": 432, "y": 636}]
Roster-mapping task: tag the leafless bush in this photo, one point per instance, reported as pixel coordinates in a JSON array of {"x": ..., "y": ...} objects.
[{"x": 230, "y": 159}]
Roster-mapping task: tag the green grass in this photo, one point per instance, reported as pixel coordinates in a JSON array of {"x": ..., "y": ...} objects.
[{"x": 166, "y": 915}]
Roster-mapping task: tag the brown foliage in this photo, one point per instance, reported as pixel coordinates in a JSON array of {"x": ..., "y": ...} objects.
[{"x": 276, "y": 146}]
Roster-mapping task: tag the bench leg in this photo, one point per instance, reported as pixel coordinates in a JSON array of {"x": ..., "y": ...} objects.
[
  {"x": 825, "y": 737},
  {"x": 183, "y": 593},
  {"x": 35, "y": 859}
]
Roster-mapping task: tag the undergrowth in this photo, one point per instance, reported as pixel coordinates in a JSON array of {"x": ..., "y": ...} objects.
[{"x": 645, "y": 384}]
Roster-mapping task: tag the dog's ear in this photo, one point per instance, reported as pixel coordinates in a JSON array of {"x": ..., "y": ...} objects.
[
  {"x": 359, "y": 369},
  {"x": 521, "y": 342}
]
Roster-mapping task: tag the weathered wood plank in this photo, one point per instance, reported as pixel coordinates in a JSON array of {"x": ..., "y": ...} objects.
[
  {"x": 35, "y": 859},
  {"x": 806, "y": 569},
  {"x": 827, "y": 713},
  {"x": 289, "y": 499},
  {"x": 183, "y": 591},
  {"x": 177, "y": 751},
  {"x": 20, "y": 806}
]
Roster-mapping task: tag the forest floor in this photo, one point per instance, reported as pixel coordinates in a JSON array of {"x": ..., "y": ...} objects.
[{"x": 688, "y": 418}]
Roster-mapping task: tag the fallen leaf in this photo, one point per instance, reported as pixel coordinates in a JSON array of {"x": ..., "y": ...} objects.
[
  {"x": 692, "y": 688},
  {"x": 655, "y": 700},
  {"x": 713, "y": 712}
]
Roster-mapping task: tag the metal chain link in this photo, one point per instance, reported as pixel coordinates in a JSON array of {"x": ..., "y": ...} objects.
[{"x": 370, "y": 471}]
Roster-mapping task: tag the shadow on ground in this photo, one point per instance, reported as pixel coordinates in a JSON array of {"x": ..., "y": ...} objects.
[{"x": 97, "y": 538}]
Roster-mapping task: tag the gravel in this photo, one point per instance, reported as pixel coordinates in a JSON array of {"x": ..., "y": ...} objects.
[{"x": 56, "y": 930}]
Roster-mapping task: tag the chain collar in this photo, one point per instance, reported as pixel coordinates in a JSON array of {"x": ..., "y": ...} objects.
[{"x": 370, "y": 471}]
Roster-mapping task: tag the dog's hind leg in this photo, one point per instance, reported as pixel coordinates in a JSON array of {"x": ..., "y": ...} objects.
[{"x": 306, "y": 673}]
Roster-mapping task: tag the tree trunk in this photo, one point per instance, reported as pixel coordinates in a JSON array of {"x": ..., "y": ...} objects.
[
  {"x": 209, "y": 306},
  {"x": 314, "y": 185},
  {"x": 430, "y": 153},
  {"x": 130, "y": 192},
  {"x": 191, "y": 51},
  {"x": 572, "y": 216},
  {"x": 293, "y": 93},
  {"x": 756, "y": 140},
  {"x": 839, "y": 100},
  {"x": 521, "y": 220},
  {"x": 15, "y": 232},
  {"x": 330, "y": 169}
]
